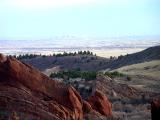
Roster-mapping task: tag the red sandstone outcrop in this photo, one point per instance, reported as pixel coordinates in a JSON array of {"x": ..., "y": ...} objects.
[
  {"x": 31, "y": 94},
  {"x": 24, "y": 89},
  {"x": 2, "y": 58},
  {"x": 100, "y": 103},
  {"x": 87, "y": 108},
  {"x": 155, "y": 109}
]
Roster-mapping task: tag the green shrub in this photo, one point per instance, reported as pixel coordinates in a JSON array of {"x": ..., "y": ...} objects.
[
  {"x": 26, "y": 56},
  {"x": 114, "y": 74}
]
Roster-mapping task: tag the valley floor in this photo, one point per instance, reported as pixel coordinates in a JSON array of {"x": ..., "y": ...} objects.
[{"x": 116, "y": 52}]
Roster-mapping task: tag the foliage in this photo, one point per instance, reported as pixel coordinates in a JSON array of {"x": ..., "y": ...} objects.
[
  {"x": 113, "y": 74},
  {"x": 30, "y": 56},
  {"x": 120, "y": 57},
  {"x": 26, "y": 56},
  {"x": 87, "y": 75}
]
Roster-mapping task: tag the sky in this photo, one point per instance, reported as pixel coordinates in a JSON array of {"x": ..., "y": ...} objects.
[{"x": 43, "y": 19}]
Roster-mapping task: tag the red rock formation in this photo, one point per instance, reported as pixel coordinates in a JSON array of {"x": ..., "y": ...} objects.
[
  {"x": 100, "y": 103},
  {"x": 87, "y": 107},
  {"x": 155, "y": 109},
  {"x": 24, "y": 89},
  {"x": 31, "y": 94},
  {"x": 2, "y": 58}
]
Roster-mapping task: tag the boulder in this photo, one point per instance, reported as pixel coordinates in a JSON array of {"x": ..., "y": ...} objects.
[
  {"x": 100, "y": 103},
  {"x": 155, "y": 109}
]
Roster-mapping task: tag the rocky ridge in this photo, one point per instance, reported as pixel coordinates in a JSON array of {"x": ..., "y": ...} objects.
[{"x": 26, "y": 93}]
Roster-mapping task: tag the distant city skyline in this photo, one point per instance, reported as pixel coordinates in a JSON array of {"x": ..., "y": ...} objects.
[{"x": 44, "y": 19}]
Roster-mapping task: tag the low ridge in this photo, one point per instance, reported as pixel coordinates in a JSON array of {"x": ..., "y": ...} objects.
[{"x": 152, "y": 53}]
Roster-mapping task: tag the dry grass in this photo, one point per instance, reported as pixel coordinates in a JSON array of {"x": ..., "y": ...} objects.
[
  {"x": 145, "y": 76},
  {"x": 151, "y": 69}
]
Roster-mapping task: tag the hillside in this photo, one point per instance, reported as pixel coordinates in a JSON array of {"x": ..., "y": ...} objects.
[
  {"x": 144, "y": 76},
  {"x": 152, "y": 53},
  {"x": 133, "y": 104},
  {"x": 150, "y": 69},
  {"x": 82, "y": 62},
  {"x": 91, "y": 62}
]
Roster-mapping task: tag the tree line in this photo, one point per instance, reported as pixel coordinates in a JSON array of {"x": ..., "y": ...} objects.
[{"x": 30, "y": 56}]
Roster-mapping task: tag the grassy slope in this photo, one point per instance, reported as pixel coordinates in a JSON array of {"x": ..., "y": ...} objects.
[
  {"x": 143, "y": 75},
  {"x": 151, "y": 69}
]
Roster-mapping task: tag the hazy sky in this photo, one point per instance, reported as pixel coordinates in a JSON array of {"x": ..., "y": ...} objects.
[{"x": 35, "y": 19}]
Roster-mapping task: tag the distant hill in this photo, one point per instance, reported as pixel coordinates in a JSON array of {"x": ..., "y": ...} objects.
[
  {"x": 152, "y": 53},
  {"x": 80, "y": 62},
  {"x": 92, "y": 62}
]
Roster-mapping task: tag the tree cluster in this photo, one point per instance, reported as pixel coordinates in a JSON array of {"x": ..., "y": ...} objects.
[
  {"x": 25, "y": 56},
  {"x": 87, "y": 75},
  {"x": 114, "y": 74}
]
